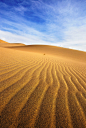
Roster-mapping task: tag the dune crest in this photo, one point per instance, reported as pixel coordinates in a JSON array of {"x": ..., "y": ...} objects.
[
  {"x": 2, "y": 41},
  {"x": 42, "y": 87},
  {"x": 6, "y": 44}
]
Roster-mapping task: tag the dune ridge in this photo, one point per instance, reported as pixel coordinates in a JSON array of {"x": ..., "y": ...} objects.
[
  {"x": 42, "y": 87},
  {"x": 2, "y": 41},
  {"x": 54, "y": 51},
  {"x": 6, "y": 44}
]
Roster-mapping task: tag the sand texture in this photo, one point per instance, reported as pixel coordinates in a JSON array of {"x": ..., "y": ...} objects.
[{"x": 42, "y": 87}]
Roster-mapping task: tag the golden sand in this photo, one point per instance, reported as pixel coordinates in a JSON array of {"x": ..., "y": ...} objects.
[
  {"x": 6, "y": 44},
  {"x": 42, "y": 87}
]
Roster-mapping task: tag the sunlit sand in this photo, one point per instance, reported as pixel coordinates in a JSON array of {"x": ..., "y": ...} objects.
[{"x": 42, "y": 86}]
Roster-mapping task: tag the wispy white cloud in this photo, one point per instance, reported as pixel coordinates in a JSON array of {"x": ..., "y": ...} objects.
[
  {"x": 20, "y": 9},
  {"x": 14, "y": 38},
  {"x": 63, "y": 23}
]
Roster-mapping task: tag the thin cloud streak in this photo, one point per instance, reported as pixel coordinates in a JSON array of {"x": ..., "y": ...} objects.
[{"x": 14, "y": 38}]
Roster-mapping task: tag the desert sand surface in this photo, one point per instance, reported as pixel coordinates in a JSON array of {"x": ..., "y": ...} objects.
[{"x": 42, "y": 87}]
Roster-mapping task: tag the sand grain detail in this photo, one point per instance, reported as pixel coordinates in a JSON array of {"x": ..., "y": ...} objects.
[{"x": 41, "y": 91}]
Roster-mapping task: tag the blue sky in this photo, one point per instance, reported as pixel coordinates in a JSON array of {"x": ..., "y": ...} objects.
[{"x": 51, "y": 22}]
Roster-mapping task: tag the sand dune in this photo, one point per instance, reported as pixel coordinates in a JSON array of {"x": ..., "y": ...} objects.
[
  {"x": 42, "y": 87},
  {"x": 56, "y": 51},
  {"x": 6, "y": 44},
  {"x": 2, "y": 41}
]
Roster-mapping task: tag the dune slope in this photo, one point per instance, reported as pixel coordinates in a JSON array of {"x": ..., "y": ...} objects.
[
  {"x": 42, "y": 87},
  {"x": 6, "y": 44},
  {"x": 53, "y": 50}
]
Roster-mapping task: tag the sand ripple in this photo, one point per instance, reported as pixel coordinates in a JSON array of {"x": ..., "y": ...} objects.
[{"x": 41, "y": 91}]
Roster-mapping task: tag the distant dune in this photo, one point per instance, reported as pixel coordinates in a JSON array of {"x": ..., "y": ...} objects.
[
  {"x": 2, "y": 41},
  {"x": 6, "y": 44},
  {"x": 53, "y": 50},
  {"x": 42, "y": 86}
]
